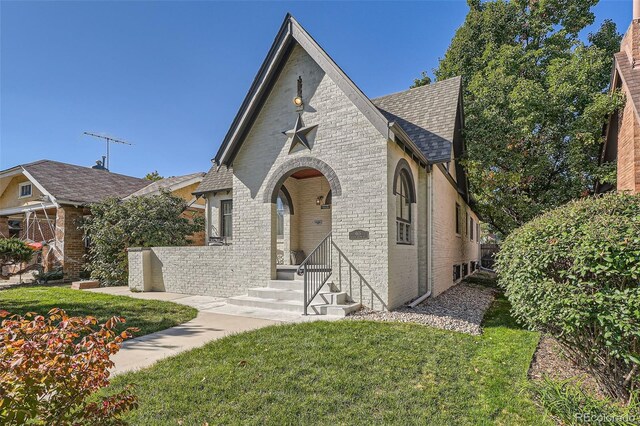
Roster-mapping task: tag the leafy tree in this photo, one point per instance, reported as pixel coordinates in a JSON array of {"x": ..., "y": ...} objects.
[
  {"x": 424, "y": 80},
  {"x": 535, "y": 102},
  {"x": 153, "y": 176},
  {"x": 51, "y": 366},
  {"x": 114, "y": 226}
]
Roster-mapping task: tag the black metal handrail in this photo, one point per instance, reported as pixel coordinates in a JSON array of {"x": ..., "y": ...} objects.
[{"x": 316, "y": 270}]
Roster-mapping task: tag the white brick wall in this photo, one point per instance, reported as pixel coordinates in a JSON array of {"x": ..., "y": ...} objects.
[
  {"x": 376, "y": 272},
  {"x": 448, "y": 248}
]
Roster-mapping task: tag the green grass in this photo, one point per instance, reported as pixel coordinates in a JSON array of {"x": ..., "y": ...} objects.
[
  {"x": 148, "y": 315},
  {"x": 346, "y": 372},
  {"x": 569, "y": 402}
]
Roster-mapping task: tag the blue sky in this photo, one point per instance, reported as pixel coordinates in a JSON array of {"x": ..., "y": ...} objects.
[{"x": 170, "y": 76}]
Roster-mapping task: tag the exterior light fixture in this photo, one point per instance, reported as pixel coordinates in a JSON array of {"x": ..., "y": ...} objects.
[
  {"x": 319, "y": 200},
  {"x": 297, "y": 101}
]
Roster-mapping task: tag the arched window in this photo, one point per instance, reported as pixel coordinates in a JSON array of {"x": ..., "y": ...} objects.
[{"x": 404, "y": 190}]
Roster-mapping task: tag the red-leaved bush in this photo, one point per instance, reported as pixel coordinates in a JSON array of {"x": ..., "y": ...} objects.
[{"x": 51, "y": 365}]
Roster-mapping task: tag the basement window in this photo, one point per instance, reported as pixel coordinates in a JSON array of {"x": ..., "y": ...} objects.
[
  {"x": 456, "y": 272},
  {"x": 24, "y": 190}
]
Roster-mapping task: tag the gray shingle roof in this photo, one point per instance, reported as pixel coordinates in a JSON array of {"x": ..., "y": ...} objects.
[
  {"x": 169, "y": 184},
  {"x": 216, "y": 179},
  {"x": 427, "y": 114},
  {"x": 68, "y": 182}
]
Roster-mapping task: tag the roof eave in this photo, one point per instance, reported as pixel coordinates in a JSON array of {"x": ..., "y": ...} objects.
[
  {"x": 197, "y": 193},
  {"x": 416, "y": 152}
]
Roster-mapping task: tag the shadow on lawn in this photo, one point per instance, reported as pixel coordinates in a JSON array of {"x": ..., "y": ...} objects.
[
  {"x": 499, "y": 315},
  {"x": 147, "y": 315}
]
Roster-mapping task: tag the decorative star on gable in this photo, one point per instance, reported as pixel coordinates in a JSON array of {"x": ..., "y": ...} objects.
[{"x": 299, "y": 133}]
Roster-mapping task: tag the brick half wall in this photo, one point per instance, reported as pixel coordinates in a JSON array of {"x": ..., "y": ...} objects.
[{"x": 205, "y": 270}]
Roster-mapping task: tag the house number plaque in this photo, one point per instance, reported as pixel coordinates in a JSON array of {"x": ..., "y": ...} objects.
[{"x": 359, "y": 234}]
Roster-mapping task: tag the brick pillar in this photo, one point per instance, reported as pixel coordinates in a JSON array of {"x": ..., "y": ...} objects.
[
  {"x": 4, "y": 227},
  {"x": 69, "y": 240}
]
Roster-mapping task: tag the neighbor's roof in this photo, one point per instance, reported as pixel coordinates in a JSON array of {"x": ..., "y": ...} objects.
[
  {"x": 427, "y": 114},
  {"x": 218, "y": 179},
  {"x": 630, "y": 76},
  {"x": 170, "y": 184},
  {"x": 78, "y": 184}
]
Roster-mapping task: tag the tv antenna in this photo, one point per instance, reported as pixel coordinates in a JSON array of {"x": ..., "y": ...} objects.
[{"x": 108, "y": 140}]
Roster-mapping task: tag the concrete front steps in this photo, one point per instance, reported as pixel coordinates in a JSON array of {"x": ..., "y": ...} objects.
[{"x": 286, "y": 294}]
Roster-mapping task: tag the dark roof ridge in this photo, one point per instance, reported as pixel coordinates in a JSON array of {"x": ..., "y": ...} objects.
[{"x": 411, "y": 89}]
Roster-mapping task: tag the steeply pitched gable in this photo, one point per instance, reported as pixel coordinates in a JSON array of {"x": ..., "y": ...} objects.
[
  {"x": 290, "y": 33},
  {"x": 428, "y": 114}
]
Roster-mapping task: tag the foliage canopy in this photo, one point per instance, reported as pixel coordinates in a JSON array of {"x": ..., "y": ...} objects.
[
  {"x": 114, "y": 226},
  {"x": 535, "y": 102}
]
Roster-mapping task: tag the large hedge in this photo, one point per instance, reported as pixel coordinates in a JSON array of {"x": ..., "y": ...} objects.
[{"x": 574, "y": 273}]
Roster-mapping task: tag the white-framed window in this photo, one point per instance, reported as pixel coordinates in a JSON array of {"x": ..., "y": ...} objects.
[
  {"x": 25, "y": 190},
  {"x": 226, "y": 219},
  {"x": 403, "y": 209},
  {"x": 472, "y": 227}
]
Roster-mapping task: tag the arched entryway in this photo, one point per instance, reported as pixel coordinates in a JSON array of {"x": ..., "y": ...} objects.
[{"x": 301, "y": 198}]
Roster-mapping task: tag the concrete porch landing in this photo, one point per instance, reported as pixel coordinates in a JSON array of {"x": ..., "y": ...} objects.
[{"x": 216, "y": 305}]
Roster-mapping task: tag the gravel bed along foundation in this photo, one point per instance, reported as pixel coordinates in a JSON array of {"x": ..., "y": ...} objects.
[{"x": 461, "y": 308}]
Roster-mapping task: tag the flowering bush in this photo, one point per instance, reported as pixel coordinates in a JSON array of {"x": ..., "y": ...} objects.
[
  {"x": 574, "y": 273},
  {"x": 51, "y": 365}
]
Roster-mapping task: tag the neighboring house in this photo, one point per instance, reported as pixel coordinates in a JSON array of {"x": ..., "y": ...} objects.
[
  {"x": 368, "y": 191},
  {"x": 43, "y": 201},
  {"x": 622, "y": 133}
]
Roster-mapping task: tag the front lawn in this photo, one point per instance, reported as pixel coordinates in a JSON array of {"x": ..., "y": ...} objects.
[
  {"x": 346, "y": 372},
  {"x": 148, "y": 315}
]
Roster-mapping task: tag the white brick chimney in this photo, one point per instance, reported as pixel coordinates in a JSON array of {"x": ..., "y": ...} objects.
[{"x": 636, "y": 10}]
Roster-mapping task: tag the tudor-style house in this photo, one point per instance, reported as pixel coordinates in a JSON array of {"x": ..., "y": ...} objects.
[{"x": 322, "y": 200}]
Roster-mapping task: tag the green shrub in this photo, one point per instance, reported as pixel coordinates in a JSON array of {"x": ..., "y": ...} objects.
[
  {"x": 114, "y": 226},
  {"x": 45, "y": 277},
  {"x": 574, "y": 273},
  {"x": 14, "y": 251},
  {"x": 569, "y": 403}
]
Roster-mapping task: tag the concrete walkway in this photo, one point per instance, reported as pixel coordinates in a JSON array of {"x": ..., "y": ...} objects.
[
  {"x": 142, "y": 352},
  {"x": 215, "y": 320}
]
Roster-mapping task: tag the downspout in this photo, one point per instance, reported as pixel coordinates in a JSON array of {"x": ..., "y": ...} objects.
[{"x": 429, "y": 240}]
